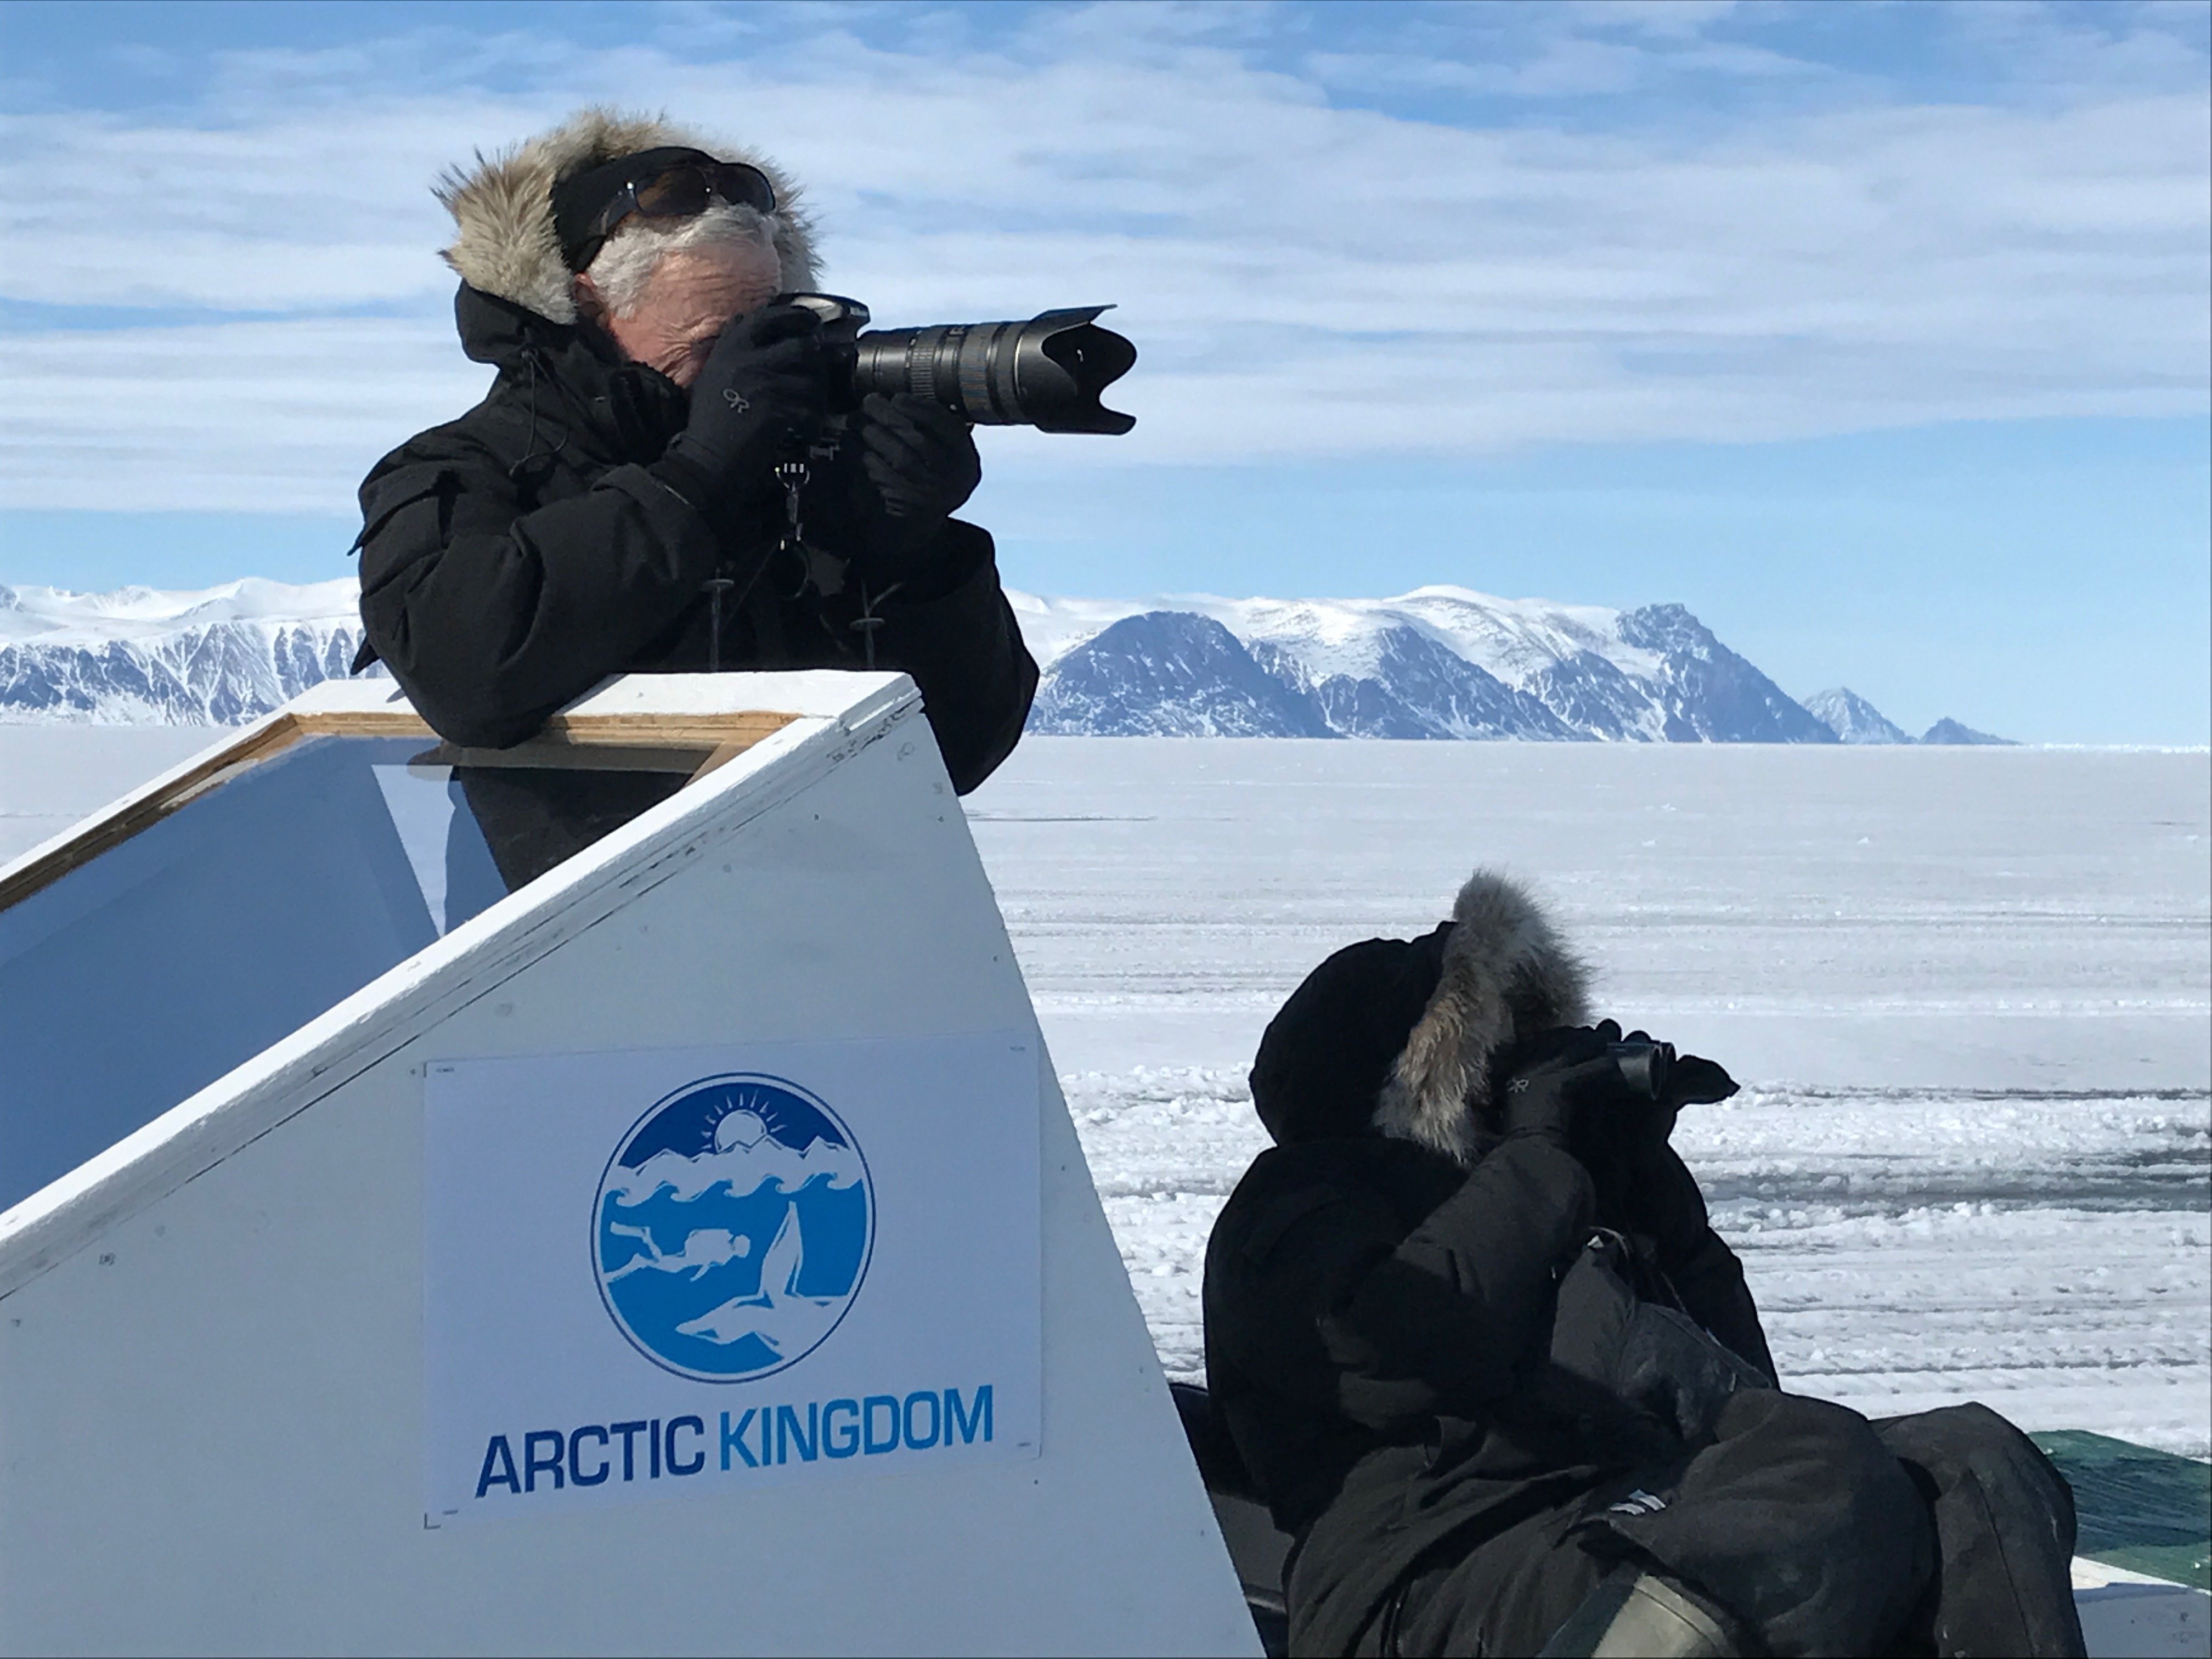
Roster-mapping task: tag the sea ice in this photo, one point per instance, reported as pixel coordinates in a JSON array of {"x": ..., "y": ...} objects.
[{"x": 1968, "y": 993}]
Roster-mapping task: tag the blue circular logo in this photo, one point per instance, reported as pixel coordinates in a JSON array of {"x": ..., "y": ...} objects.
[{"x": 734, "y": 1228}]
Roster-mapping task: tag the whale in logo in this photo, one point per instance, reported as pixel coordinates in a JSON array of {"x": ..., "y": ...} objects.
[{"x": 733, "y": 1227}]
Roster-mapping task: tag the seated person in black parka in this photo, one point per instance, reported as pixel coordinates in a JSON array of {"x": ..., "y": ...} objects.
[{"x": 1492, "y": 1370}]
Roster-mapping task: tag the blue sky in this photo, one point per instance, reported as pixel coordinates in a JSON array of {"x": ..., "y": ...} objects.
[{"x": 1880, "y": 335}]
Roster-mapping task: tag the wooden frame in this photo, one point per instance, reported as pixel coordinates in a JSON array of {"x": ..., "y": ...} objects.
[{"x": 691, "y": 742}]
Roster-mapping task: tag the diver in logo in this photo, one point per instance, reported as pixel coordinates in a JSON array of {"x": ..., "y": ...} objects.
[{"x": 732, "y": 1227}]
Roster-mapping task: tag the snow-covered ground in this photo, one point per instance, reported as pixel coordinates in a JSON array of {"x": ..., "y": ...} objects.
[
  {"x": 1969, "y": 993},
  {"x": 52, "y": 774}
]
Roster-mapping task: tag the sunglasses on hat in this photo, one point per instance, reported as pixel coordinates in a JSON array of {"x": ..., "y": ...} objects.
[{"x": 679, "y": 191}]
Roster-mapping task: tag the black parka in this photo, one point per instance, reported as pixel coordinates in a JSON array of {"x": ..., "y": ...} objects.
[
  {"x": 514, "y": 557},
  {"x": 1378, "y": 1318},
  {"x": 1466, "y": 1371},
  {"x": 1382, "y": 1314}
]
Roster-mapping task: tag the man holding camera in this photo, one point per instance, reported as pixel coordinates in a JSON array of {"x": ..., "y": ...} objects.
[
  {"x": 667, "y": 473},
  {"x": 1484, "y": 1357}
]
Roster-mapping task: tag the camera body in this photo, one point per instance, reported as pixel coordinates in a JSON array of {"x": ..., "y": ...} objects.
[{"x": 1047, "y": 373}]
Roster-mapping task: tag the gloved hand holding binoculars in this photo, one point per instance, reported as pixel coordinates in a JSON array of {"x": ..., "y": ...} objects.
[
  {"x": 1583, "y": 1086},
  {"x": 1611, "y": 1101}
]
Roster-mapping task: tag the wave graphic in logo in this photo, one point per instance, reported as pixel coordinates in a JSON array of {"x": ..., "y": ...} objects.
[{"x": 734, "y": 1227}]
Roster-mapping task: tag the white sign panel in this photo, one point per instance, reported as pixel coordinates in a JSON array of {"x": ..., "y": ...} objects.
[{"x": 648, "y": 1275}]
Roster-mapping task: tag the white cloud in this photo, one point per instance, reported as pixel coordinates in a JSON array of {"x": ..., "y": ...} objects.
[
  {"x": 1305, "y": 276},
  {"x": 1668, "y": 19},
  {"x": 262, "y": 417}
]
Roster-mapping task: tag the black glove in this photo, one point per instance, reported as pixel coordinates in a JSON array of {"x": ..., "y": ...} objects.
[
  {"x": 1642, "y": 1186},
  {"x": 1556, "y": 1080},
  {"x": 918, "y": 464},
  {"x": 1641, "y": 1125},
  {"x": 768, "y": 374},
  {"x": 1695, "y": 1081}
]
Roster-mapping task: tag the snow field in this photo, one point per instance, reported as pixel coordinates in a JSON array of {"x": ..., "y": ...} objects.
[
  {"x": 52, "y": 773},
  {"x": 1969, "y": 995},
  {"x": 1901, "y": 1258}
]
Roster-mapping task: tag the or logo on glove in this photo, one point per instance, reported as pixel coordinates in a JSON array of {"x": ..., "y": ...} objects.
[{"x": 768, "y": 376}]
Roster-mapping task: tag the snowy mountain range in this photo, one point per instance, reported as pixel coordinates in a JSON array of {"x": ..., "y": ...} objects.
[
  {"x": 1439, "y": 662},
  {"x": 1854, "y": 720},
  {"x": 140, "y": 656}
]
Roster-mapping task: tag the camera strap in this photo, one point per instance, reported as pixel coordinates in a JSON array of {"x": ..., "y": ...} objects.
[
  {"x": 814, "y": 567},
  {"x": 817, "y": 568}
]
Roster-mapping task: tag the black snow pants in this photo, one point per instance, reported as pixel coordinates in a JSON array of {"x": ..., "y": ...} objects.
[{"x": 1947, "y": 1533}]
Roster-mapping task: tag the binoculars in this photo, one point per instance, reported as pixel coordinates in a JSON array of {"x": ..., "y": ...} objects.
[{"x": 1645, "y": 1065}]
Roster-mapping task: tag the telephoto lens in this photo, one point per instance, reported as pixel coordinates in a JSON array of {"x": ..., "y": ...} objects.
[
  {"x": 1645, "y": 1065},
  {"x": 1047, "y": 373}
]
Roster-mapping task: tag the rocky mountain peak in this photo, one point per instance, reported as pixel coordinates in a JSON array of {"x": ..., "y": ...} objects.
[
  {"x": 1437, "y": 663},
  {"x": 1948, "y": 730}
]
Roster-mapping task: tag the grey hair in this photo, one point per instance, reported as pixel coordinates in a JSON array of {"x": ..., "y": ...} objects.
[{"x": 625, "y": 264}]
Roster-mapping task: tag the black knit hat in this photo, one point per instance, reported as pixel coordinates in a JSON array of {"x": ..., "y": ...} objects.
[
  {"x": 1327, "y": 1054},
  {"x": 579, "y": 198}
]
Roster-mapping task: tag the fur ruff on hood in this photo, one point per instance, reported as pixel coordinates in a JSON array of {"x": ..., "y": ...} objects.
[
  {"x": 1506, "y": 976},
  {"x": 502, "y": 207}
]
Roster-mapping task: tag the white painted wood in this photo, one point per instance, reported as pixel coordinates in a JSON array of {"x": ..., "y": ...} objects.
[
  {"x": 211, "y": 1353},
  {"x": 283, "y": 1078},
  {"x": 852, "y": 699}
]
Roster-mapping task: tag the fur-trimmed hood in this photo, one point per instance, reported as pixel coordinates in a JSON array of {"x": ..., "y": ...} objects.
[
  {"x": 1506, "y": 975},
  {"x": 1398, "y": 1036},
  {"x": 502, "y": 207}
]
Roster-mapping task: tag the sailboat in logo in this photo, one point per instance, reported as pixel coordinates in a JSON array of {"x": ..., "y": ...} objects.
[{"x": 779, "y": 1317}]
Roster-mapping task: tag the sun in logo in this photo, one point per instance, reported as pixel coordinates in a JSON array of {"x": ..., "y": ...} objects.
[{"x": 733, "y": 1227}]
